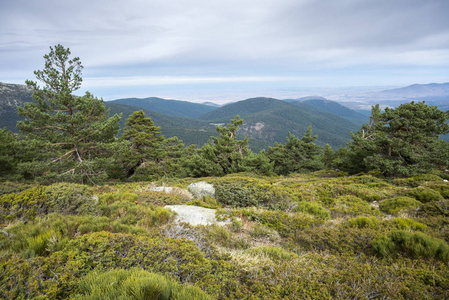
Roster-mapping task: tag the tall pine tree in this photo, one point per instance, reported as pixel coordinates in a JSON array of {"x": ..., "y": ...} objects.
[
  {"x": 401, "y": 141},
  {"x": 296, "y": 155},
  {"x": 72, "y": 130}
]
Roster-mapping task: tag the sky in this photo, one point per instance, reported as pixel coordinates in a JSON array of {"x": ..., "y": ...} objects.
[{"x": 207, "y": 50}]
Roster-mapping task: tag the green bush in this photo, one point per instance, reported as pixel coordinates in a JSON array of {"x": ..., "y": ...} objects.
[
  {"x": 418, "y": 180},
  {"x": 352, "y": 206},
  {"x": 405, "y": 223},
  {"x": 434, "y": 209},
  {"x": 241, "y": 191},
  {"x": 110, "y": 198},
  {"x": 424, "y": 195},
  {"x": 364, "y": 222},
  {"x": 395, "y": 205},
  {"x": 235, "y": 195},
  {"x": 9, "y": 187},
  {"x": 24, "y": 205},
  {"x": 134, "y": 284},
  {"x": 286, "y": 224},
  {"x": 313, "y": 208},
  {"x": 274, "y": 253},
  {"x": 224, "y": 238},
  {"x": 444, "y": 191},
  {"x": 71, "y": 199},
  {"x": 411, "y": 244}
]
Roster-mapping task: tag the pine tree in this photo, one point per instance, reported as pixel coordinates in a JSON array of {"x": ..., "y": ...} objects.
[
  {"x": 328, "y": 156},
  {"x": 73, "y": 128},
  {"x": 223, "y": 154},
  {"x": 400, "y": 141},
  {"x": 296, "y": 155},
  {"x": 144, "y": 142},
  {"x": 8, "y": 145}
]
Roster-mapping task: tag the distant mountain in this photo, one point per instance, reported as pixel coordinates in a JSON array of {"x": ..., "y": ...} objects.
[
  {"x": 11, "y": 96},
  {"x": 305, "y": 99},
  {"x": 334, "y": 108},
  {"x": 190, "y": 131},
  {"x": 211, "y": 104},
  {"x": 168, "y": 107},
  {"x": 419, "y": 90},
  {"x": 268, "y": 120}
]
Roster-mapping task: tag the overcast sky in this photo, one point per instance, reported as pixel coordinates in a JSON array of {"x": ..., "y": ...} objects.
[{"x": 210, "y": 50}]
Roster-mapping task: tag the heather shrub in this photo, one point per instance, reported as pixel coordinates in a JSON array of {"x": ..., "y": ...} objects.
[
  {"x": 205, "y": 201},
  {"x": 364, "y": 222},
  {"x": 434, "y": 209},
  {"x": 274, "y": 253},
  {"x": 71, "y": 199},
  {"x": 411, "y": 244},
  {"x": 286, "y": 224},
  {"x": 339, "y": 238},
  {"x": 417, "y": 180},
  {"x": 9, "y": 187},
  {"x": 24, "y": 205},
  {"x": 235, "y": 195},
  {"x": 246, "y": 192},
  {"x": 424, "y": 195},
  {"x": 109, "y": 198},
  {"x": 407, "y": 224},
  {"x": 220, "y": 235},
  {"x": 134, "y": 284},
  {"x": 395, "y": 205},
  {"x": 352, "y": 206},
  {"x": 161, "y": 198},
  {"x": 313, "y": 208},
  {"x": 444, "y": 191}
]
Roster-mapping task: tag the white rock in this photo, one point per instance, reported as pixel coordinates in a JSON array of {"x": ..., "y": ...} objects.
[
  {"x": 202, "y": 188},
  {"x": 195, "y": 215}
]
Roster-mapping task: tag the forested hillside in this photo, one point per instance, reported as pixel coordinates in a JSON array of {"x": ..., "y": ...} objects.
[
  {"x": 267, "y": 120},
  {"x": 168, "y": 107}
]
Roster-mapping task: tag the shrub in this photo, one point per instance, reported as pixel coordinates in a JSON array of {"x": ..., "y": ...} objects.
[
  {"x": 9, "y": 187},
  {"x": 274, "y": 253},
  {"x": 411, "y": 244},
  {"x": 405, "y": 223},
  {"x": 205, "y": 201},
  {"x": 223, "y": 237},
  {"x": 24, "y": 205},
  {"x": 364, "y": 222},
  {"x": 110, "y": 198},
  {"x": 134, "y": 284},
  {"x": 286, "y": 224},
  {"x": 424, "y": 194},
  {"x": 444, "y": 191},
  {"x": 395, "y": 205},
  {"x": 71, "y": 199},
  {"x": 313, "y": 208},
  {"x": 353, "y": 206},
  {"x": 433, "y": 209},
  {"x": 418, "y": 180},
  {"x": 235, "y": 195},
  {"x": 246, "y": 192}
]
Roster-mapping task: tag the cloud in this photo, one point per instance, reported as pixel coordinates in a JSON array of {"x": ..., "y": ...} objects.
[{"x": 187, "y": 42}]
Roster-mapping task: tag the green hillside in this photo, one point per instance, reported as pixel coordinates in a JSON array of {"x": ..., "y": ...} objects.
[
  {"x": 268, "y": 120},
  {"x": 190, "y": 131},
  {"x": 334, "y": 108},
  {"x": 168, "y": 107},
  {"x": 11, "y": 96}
]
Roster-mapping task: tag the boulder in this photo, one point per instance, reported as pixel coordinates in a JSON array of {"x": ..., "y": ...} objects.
[{"x": 200, "y": 189}]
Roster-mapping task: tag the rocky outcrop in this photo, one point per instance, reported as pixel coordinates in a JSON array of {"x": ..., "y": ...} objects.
[{"x": 200, "y": 189}]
